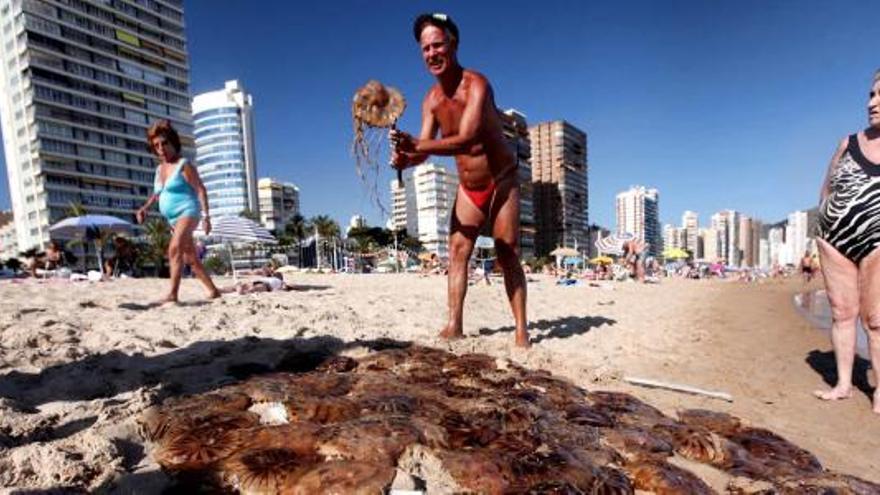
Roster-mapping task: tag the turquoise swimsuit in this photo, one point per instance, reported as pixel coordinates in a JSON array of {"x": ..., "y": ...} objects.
[{"x": 176, "y": 197}]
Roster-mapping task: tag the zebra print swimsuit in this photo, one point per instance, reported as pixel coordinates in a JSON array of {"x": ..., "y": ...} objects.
[{"x": 849, "y": 217}]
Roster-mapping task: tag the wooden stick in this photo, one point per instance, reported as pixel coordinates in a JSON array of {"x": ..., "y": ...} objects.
[
  {"x": 399, "y": 170},
  {"x": 645, "y": 382}
]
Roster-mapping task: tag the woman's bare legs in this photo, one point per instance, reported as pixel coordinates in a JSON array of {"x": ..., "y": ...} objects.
[
  {"x": 191, "y": 259},
  {"x": 182, "y": 250},
  {"x": 842, "y": 285},
  {"x": 175, "y": 259},
  {"x": 869, "y": 302}
]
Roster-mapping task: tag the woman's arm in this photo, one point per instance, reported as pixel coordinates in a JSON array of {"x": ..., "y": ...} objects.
[
  {"x": 826, "y": 183},
  {"x": 142, "y": 211}
]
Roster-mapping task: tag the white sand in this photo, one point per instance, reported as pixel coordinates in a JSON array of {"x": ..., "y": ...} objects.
[{"x": 79, "y": 362}]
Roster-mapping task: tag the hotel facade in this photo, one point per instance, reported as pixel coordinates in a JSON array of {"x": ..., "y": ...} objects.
[
  {"x": 225, "y": 155},
  {"x": 80, "y": 82}
]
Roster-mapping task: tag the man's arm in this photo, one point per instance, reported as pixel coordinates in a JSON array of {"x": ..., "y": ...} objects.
[
  {"x": 403, "y": 156},
  {"x": 468, "y": 128}
]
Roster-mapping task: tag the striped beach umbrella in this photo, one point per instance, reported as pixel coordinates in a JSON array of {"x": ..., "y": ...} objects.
[
  {"x": 237, "y": 229},
  {"x": 233, "y": 229},
  {"x": 613, "y": 244}
]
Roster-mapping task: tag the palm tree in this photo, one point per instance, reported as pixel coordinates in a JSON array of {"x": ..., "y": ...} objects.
[
  {"x": 74, "y": 209},
  {"x": 295, "y": 229},
  {"x": 326, "y": 227},
  {"x": 158, "y": 237}
]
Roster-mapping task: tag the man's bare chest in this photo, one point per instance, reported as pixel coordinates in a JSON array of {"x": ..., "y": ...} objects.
[{"x": 449, "y": 114}]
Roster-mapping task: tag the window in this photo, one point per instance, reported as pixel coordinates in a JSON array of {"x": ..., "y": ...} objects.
[{"x": 89, "y": 152}]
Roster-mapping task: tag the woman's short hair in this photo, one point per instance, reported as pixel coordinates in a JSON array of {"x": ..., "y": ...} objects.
[
  {"x": 876, "y": 75},
  {"x": 164, "y": 129}
]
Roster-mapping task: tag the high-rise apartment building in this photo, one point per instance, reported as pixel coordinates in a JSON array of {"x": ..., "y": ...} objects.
[
  {"x": 422, "y": 206},
  {"x": 757, "y": 229},
  {"x": 80, "y": 82},
  {"x": 745, "y": 245},
  {"x": 638, "y": 213},
  {"x": 225, "y": 155},
  {"x": 403, "y": 204},
  {"x": 357, "y": 222},
  {"x": 8, "y": 240},
  {"x": 279, "y": 202},
  {"x": 711, "y": 245},
  {"x": 796, "y": 234},
  {"x": 559, "y": 177},
  {"x": 516, "y": 130},
  {"x": 596, "y": 232},
  {"x": 764, "y": 254},
  {"x": 734, "y": 255},
  {"x": 779, "y": 254},
  {"x": 673, "y": 237},
  {"x": 691, "y": 227},
  {"x": 727, "y": 224}
]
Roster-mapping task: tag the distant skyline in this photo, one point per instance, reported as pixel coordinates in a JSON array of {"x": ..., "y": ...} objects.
[{"x": 717, "y": 105}]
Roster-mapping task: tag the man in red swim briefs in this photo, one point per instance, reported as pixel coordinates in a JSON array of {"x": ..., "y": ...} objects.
[{"x": 461, "y": 106}]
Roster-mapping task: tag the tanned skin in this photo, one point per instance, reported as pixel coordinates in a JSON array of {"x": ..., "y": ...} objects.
[
  {"x": 461, "y": 107},
  {"x": 181, "y": 249}
]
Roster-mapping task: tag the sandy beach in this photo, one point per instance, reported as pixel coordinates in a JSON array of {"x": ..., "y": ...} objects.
[{"x": 80, "y": 362}]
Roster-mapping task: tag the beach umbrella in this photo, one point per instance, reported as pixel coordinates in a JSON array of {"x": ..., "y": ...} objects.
[
  {"x": 90, "y": 227},
  {"x": 237, "y": 229},
  {"x": 572, "y": 260},
  {"x": 675, "y": 254},
  {"x": 562, "y": 252},
  {"x": 234, "y": 229},
  {"x": 613, "y": 244},
  {"x": 602, "y": 260}
]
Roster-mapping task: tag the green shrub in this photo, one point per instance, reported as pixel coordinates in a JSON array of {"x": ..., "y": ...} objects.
[{"x": 216, "y": 265}]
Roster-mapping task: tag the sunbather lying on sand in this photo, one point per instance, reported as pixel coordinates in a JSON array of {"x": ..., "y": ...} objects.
[{"x": 260, "y": 284}]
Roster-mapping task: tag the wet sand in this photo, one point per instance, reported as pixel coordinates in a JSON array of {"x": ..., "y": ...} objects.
[{"x": 79, "y": 363}]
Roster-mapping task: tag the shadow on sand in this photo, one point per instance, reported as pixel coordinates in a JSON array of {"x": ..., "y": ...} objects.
[
  {"x": 196, "y": 368},
  {"x": 157, "y": 304},
  {"x": 560, "y": 328},
  {"x": 824, "y": 364},
  {"x": 309, "y": 288}
]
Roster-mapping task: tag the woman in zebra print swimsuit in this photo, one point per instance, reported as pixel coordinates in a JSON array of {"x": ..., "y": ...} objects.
[{"x": 849, "y": 235}]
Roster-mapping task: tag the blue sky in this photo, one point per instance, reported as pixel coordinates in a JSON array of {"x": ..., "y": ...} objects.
[{"x": 717, "y": 104}]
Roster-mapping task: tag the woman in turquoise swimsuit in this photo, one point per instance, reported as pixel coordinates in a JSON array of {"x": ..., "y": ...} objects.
[{"x": 182, "y": 199}]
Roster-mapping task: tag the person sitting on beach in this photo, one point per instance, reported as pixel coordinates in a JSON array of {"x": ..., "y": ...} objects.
[
  {"x": 848, "y": 239},
  {"x": 48, "y": 260},
  {"x": 461, "y": 108},
  {"x": 124, "y": 256}
]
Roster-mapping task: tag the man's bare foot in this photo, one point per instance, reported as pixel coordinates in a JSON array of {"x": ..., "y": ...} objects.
[
  {"x": 449, "y": 333},
  {"x": 836, "y": 393},
  {"x": 215, "y": 295},
  {"x": 522, "y": 339}
]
